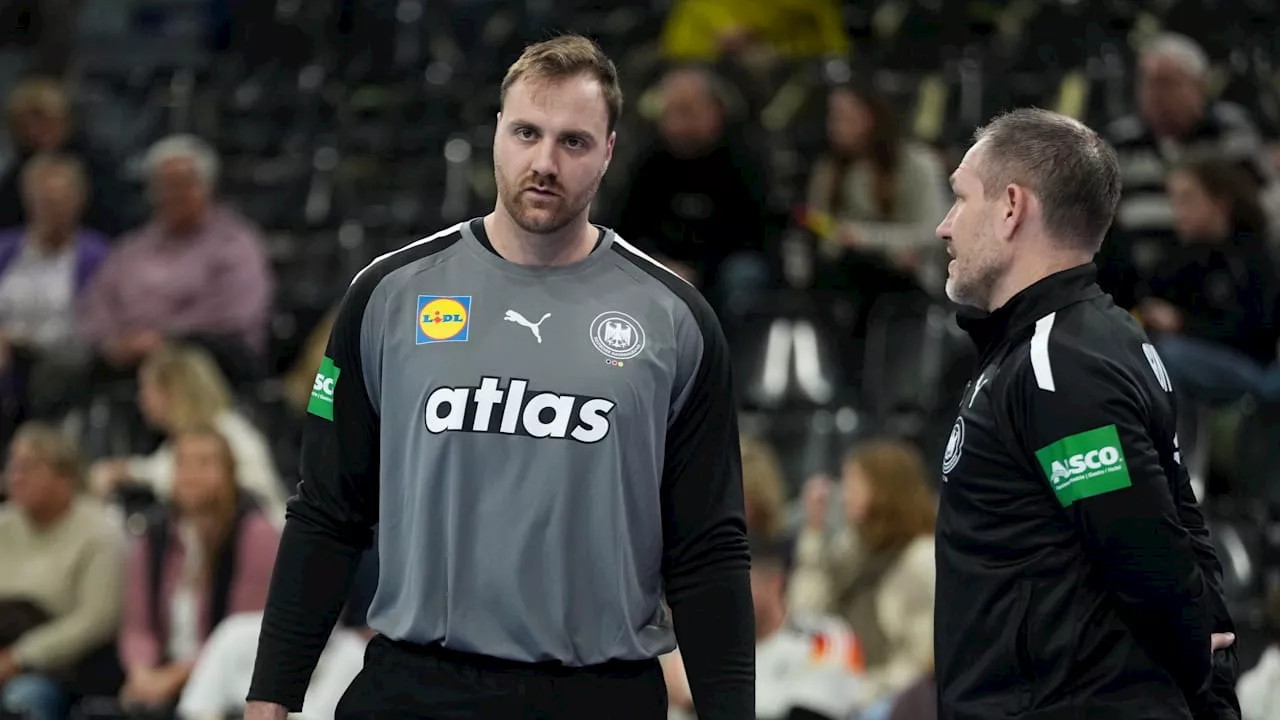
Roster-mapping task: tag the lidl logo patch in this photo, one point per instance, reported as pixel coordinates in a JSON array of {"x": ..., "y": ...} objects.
[
  {"x": 443, "y": 319},
  {"x": 1085, "y": 464},
  {"x": 321, "y": 403}
]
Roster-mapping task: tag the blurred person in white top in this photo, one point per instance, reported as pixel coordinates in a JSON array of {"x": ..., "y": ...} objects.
[
  {"x": 181, "y": 387},
  {"x": 220, "y": 680},
  {"x": 807, "y": 667},
  {"x": 1259, "y": 688}
]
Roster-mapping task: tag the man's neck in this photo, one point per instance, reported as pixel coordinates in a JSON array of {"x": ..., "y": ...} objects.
[
  {"x": 1033, "y": 270},
  {"x": 569, "y": 245},
  {"x": 51, "y": 240}
]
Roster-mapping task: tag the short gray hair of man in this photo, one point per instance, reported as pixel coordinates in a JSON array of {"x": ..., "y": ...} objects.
[
  {"x": 1072, "y": 171},
  {"x": 183, "y": 146},
  {"x": 1183, "y": 50}
]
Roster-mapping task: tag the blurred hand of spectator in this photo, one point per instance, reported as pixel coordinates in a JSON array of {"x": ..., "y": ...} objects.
[
  {"x": 1160, "y": 316},
  {"x": 106, "y": 475},
  {"x": 131, "y": 348},
  {"x": 815, "y": 498},
  {"x": 153, "y": 687},
  {"x": 8, "y": 666}
]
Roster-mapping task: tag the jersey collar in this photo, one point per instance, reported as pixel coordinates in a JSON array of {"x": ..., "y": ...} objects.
[{"x": 1022, "y": 311}]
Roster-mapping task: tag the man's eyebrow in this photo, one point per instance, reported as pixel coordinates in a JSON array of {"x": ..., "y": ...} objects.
[{"x": 571, "y": 132}]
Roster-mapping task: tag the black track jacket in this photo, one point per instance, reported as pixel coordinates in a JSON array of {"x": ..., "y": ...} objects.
[{"x": 1075, "y": 574}]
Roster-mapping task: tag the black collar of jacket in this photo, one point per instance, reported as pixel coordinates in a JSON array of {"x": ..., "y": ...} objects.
[{"x": 1047, "y": 295}]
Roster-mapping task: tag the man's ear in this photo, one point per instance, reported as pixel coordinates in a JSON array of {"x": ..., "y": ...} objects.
[{"x": 1015, "y": 209}]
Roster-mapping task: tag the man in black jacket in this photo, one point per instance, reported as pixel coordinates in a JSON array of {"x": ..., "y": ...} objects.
[{"x": 1075, "y": 574}]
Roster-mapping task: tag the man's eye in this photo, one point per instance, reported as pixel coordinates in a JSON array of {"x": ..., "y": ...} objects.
[{"x": 524, "y": 133}]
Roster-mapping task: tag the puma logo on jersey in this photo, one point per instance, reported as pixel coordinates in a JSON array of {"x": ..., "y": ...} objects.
[
  {"x": 515, "y": 410},
  {"x": 535, "y": 328}
]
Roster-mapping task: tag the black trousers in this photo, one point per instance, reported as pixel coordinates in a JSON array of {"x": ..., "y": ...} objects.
[{"x": 402, "y": 681}]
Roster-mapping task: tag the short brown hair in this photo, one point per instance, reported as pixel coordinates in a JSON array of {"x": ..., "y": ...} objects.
[
  {"x": 53, "y": 447},
  {"x": 567, "y": 56},
  {"x": 1074, "y": 172},
  {"x": 902, "y": 507}
]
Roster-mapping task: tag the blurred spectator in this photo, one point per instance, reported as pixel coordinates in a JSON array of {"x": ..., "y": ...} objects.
[
  {"x": 1176, "y": 116},
  {"x": 807, "y": 668},
  {"x": 60, "y": 575},
  {"x": 220, "y": 681},
  {"x": 47, "y": 27},
  {"x": 1213, "y": 305},
  {"x": 180, "y": 388},
  {"x": 221, "y": 678},
  {"x": 697, "y": 200},
  {"x": 764, "y": 488},
  {"x": 704, "y": 30},
  {"x": 197, "y": 272},
  {"x": 883, "y": 194},
  {"x": 205, "y": 557},
  {"x": 40, "y": 122},
  {"x": 43, "y": 269},
  {"x": 1259, "y": 688},
  {"x": 878, "y": 573}
]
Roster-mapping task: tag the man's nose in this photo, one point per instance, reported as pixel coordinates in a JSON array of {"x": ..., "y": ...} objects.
[
  {"x": 544, "y": 159},
  {"x": 943, "y": 231}
]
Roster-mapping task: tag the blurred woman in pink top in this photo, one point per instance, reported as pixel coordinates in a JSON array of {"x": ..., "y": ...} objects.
[{"x": 209, "y": 555}]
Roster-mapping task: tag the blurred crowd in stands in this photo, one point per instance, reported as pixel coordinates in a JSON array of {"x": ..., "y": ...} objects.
[{"x": 177, "y": 226}]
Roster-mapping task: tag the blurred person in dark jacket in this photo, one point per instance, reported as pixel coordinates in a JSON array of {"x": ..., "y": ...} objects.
[
  {"x": 44, "y": 267},
  {"x": 1213, "y": 305},
  {"x": 697, "y": 199},
  {"x": 1177, "y": 118},
  {"x": 40, "y": 122}
]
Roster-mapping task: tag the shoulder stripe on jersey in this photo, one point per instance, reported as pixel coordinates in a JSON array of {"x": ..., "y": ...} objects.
[
  {"x": 414, "y": 244},
  {"x": 635, "y": 251},
  {"x": 1040, "y": 353}
]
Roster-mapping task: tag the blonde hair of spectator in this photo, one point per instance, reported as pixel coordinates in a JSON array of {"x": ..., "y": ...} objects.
[
  {"x": 55, "y": 161},
  {"x": 38, "y": 93},
  {"x": 564, "y": 57},
  {"x": 1187, "y": 52},
  {"x": 901, "y": 506},
  {"x": 764, "y": 487},
  {"x": 183, "y": 146},
  {"x": 196, "y": 389},
  {"x": 52, "y": 446}
]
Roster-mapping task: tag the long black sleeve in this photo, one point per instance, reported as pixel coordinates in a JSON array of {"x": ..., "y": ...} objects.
[
  {"x": 330, "y": 520},
  {"x": 706, "y": 563},
  {"x": 1083, "y": 419}
]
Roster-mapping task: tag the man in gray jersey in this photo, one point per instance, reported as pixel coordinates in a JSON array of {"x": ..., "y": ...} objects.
[{"x": 540, "y": 421}]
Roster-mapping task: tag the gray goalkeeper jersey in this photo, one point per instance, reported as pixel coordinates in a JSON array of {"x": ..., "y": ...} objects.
[{"x": 545, "y": 451}]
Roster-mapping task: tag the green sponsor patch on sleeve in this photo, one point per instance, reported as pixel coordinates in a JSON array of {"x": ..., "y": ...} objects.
[
  {"x": 321, "y": 404},
  {"x": 1085, "y": 464}
]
